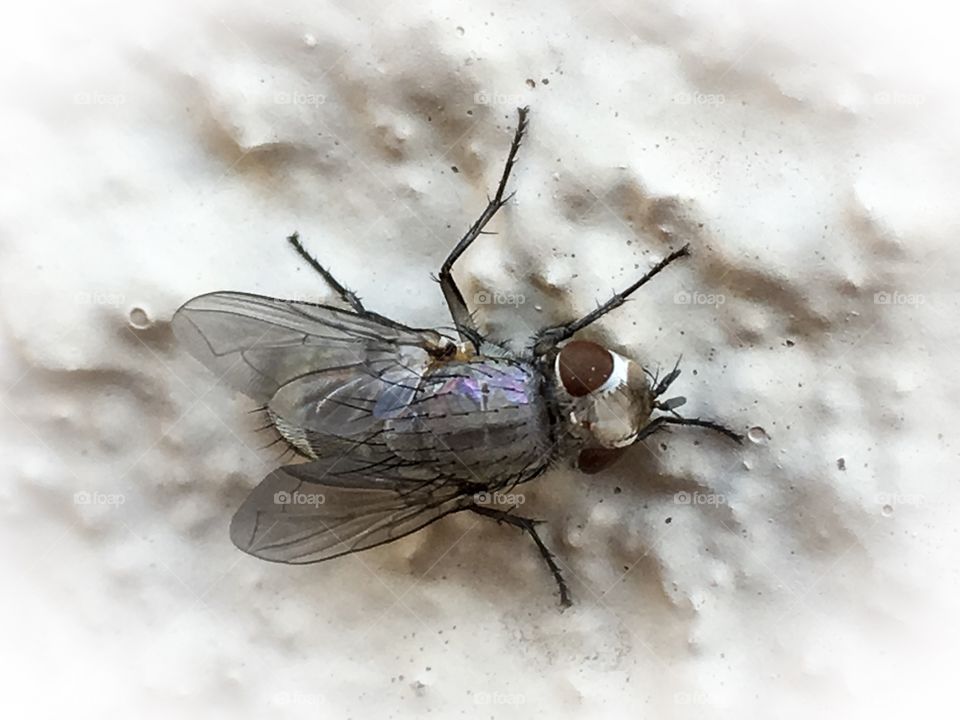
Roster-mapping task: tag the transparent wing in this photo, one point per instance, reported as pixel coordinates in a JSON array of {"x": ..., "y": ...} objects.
[
  {"x": 259, "y": 344},
  {"x": 304, "y": 514},
  {"x": 351, "y": 401}
]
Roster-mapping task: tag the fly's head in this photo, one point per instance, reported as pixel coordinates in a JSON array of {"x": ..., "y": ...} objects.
[{"x": 605, "y": 399}]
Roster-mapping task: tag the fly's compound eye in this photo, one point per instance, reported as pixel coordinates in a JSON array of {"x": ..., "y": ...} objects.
[
  {"x": 583, "y": 367},
  {"x": 593, "y": 460}
]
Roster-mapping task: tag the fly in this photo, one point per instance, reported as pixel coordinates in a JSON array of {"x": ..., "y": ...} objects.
[{"x": 400, "y": 426}]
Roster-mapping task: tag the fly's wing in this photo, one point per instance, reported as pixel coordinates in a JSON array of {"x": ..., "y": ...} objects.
[
  {"x": 258, "y": 344},
  {"x": 350, "y": 401},
  {"x": 305, "y": 513}
]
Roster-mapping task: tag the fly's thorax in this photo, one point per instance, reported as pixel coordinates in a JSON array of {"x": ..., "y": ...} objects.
[{"x": 603, "y": 399}]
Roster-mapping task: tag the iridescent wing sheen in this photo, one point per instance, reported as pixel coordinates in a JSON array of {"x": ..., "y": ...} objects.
[
  {"x": 351, "y": 401},
  {"x": 324, "y": 368},
  {"x": 312, "y": 512},
  {"x": 334, "y": 376}
]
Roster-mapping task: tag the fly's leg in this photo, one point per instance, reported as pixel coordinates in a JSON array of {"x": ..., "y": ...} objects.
[
  {"x": 549, "y": 338},
  {"x": 659, "y": 388},
  {"x": 348, "y": 296},
  {"x": 529, "y": 526},
  {"x": 664, "y": 420},
  {"x": 462, "y": 317}
]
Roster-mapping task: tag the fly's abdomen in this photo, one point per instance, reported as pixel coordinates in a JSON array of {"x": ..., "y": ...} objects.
[{"x": 484, "y": 421}]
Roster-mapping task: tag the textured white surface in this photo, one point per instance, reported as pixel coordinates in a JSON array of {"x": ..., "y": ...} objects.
[{"x": 157, "y": 150}]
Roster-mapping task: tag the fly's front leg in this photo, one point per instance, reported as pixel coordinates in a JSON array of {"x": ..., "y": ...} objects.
[
  {"x": 664, "y": 420},
  {"x": 529, "y": 526},
  {"x": 462, "y": 317},
  {"x": 348, "y": 296},
  {"x": 551, "y": 337}
]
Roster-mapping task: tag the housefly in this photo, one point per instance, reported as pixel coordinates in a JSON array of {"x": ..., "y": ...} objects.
[{"x": 400, "y": 426}]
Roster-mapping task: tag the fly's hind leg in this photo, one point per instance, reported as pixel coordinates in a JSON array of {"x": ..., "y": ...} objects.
[
  {"x": 348, "y": 296},
  {"x": 529, "y": 526},
  {"x": 462, "y": 317}
]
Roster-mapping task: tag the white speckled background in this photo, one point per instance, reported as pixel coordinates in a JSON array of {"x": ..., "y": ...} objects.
[{"x": 156, "y": 150}]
